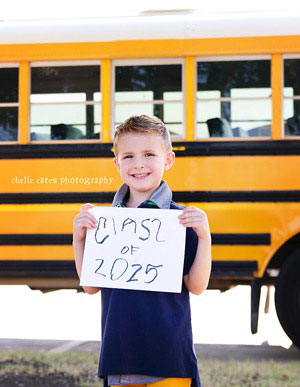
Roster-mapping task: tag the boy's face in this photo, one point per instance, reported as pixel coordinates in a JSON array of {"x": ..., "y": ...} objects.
[{"x": 142, "y": 160}]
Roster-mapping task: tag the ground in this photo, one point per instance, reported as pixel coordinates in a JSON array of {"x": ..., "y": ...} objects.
[{"x": 70, "y": 369}]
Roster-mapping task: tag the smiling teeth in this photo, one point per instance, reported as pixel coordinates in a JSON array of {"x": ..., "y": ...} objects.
[{"x": 141, "y": 175}]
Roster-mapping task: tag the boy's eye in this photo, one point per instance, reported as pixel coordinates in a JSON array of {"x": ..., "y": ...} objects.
[{"x": 130, "y": 156}]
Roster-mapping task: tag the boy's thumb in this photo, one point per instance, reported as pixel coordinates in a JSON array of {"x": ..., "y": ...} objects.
[{"x": 86, "y": 206}]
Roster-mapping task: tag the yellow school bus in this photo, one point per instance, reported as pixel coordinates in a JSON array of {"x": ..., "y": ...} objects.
[{"x": 227, "y": 87}]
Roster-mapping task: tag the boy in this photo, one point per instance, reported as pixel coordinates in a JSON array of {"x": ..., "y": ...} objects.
[{"x": 147, "y": 336}]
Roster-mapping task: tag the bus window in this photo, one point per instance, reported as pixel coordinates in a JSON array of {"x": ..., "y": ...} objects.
[
  {"x": 9, "y": 79},
  {"x": 233, "y": 98},
  {"x": 65, "y": 102},
  {"x": 291, "y": 97},
  {"x": 150, "y": 89}
]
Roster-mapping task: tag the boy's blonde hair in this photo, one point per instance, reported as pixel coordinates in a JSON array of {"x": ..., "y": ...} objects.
[{"x": 143, "y": 125}]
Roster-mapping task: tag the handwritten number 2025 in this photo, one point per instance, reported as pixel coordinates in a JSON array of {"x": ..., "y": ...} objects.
[{"x": 120, "y": 266}]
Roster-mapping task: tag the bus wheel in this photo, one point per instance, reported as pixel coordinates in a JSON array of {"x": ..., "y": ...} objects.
[{"x": 287, "y": 297}]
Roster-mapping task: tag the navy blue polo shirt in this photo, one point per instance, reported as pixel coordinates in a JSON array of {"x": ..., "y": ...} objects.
[{"x": 149, "y": 333}]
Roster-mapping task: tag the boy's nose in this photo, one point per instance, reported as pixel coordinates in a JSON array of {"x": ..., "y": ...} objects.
[
  {"x": 138, "y": 167},
  {"x": 139, "y": 164}
]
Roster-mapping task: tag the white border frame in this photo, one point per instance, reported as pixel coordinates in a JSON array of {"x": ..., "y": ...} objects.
[
  {"x": 290, "y": 56},
  {"x": 147, "y": 62},
  {"x": 65, "y": 63},
  {"x": 233, "y": 58},
  {"x": 9, "y": 64}
]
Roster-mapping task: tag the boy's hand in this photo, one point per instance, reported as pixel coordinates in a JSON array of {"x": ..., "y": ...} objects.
[
  {"x": 83, "y": 221},
  {"x": 197, "y": 219}
]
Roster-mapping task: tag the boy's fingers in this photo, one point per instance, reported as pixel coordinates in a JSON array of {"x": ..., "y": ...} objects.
[
  {"x": 87, "y": 217},
  {"x": 192, "y": 212},
  {"x": 87, "y": 223},
  {"x": 192, "y": 209},
  {"x": 90, "y": 225}
]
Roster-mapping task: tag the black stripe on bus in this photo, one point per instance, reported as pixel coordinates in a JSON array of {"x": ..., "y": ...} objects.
[
  {"x": 181, "y": 148},
  {"x": 178, "y": 196},
  {"x": 66, "y": 269},
  {"x": 221, "y": 269},
  {"x": 38, "y": 269},
  {"x": 57, "y": 197},
  {"x": 241, "y": 239},
  {"x": 35, "y": 239},
  {"x": 66, "y": 239}
]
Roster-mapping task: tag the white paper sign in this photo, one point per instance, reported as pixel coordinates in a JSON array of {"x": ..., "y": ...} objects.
[{"x": 134, "y": 248}]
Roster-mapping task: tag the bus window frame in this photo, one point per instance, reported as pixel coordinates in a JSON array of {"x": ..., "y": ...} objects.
[
  {"x": 233, "y": 58},
  {"x": 148, "y": 62},
  {"x": 287, "y": 56},
  {"x": 65, "y": 63},
  {"x": 12, "y": 104}
]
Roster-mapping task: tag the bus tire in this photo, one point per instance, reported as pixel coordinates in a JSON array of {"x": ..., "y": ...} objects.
[{"x": 287, "y": 297}]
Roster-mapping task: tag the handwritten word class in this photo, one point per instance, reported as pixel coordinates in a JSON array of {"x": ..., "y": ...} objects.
[{"x": 108, "y": 227}]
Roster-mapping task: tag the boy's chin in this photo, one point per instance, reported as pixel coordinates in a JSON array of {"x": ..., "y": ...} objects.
[{"x": 143, "y": 186}]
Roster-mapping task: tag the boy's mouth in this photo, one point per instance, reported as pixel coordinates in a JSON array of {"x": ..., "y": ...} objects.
[{"x": 140, "y": 175}]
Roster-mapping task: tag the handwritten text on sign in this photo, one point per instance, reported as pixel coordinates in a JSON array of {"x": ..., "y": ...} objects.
[{"x": 134, "y": 248}]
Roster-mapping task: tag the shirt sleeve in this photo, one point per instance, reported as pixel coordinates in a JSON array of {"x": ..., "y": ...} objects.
[{"x": 191, "y": 244}]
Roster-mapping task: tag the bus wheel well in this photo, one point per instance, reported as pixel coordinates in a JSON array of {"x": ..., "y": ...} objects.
[{"x": 284, "y": 251}]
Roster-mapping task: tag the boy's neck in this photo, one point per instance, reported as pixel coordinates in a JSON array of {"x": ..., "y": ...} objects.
[{"x": 136, "y": 198}]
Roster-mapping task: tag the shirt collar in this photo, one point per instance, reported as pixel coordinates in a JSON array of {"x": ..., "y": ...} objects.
[{"x": 161, "y": 198}]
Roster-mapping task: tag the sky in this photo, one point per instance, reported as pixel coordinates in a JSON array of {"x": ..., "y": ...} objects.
[{"x": 61, "y": 9}]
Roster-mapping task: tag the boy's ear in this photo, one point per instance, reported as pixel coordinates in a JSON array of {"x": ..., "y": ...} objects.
[
  {"x": 117, "y": 163},
  {"x": 170, "y": 158}
]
